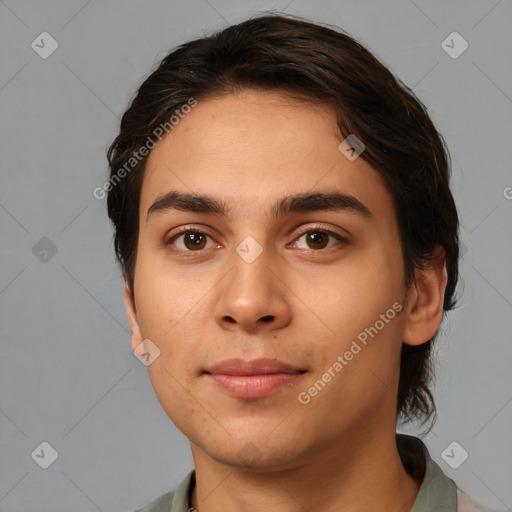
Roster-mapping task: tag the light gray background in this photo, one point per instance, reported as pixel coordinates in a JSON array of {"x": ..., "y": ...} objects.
[{"x": 67, "y": 373}]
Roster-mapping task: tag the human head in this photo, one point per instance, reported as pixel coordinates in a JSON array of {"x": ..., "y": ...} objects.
[{"x": 319, "y": 65}]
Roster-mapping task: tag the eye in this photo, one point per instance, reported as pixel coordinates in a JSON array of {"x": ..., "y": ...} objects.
[
  {"x": 191, "y": 240},
  {"x": 318, "y": 239}
]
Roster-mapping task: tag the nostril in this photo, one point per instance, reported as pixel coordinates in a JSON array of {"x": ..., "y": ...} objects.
[{"x": 267, "y": 318}]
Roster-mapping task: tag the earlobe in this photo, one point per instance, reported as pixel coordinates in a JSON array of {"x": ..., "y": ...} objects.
[
  {"x": 426, "y": 301},
  {"x": 131, "y": 315}
]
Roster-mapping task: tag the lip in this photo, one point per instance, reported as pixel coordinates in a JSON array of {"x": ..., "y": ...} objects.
[
  {"x": 260, "y": 366},
  {"x": 253, "y": 379}
]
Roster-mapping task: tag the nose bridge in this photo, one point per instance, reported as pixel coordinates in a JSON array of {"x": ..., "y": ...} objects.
[
  {"x": 251, "y": 280},
  {"x": 251, "y": 296}
]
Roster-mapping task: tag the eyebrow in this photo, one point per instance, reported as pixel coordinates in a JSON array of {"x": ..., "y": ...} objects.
[{"x": 297, "y": 203}]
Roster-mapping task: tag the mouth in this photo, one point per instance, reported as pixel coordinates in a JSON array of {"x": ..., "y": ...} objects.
[{"x": 253, "y": 379}]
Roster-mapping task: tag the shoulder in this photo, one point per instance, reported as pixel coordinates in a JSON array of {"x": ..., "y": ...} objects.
[
  {"x": 177, "y": 500},
  {"x": 162, "y": 504},
  {"x": 437, "y": 490},
  {"x": 465, "y": 504}
]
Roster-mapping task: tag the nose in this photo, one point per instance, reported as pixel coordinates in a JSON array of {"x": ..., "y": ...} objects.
[{"x": 253, "y": 297}]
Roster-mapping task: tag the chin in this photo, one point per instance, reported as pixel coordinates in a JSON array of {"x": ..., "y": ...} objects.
[{"x": 255, "y": 452}]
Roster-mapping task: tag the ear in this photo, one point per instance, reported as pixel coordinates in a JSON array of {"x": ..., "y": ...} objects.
[
  {"x": 425, "y": 301},
  {"x": 131, "y": 314}
]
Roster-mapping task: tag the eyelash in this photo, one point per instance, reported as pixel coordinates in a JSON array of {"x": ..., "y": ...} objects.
[{"x": 311, "y": 229}]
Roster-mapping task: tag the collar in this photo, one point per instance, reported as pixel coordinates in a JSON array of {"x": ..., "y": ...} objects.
[{"x": 437, "y": 491}]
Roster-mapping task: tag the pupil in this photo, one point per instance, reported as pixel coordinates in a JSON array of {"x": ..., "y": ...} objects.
[
  {"x": 317, "y": 239},
  {"x": 194, "y": 239}
]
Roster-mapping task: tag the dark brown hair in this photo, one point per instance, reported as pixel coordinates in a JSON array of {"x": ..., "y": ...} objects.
[{"x": 325, "y": 65}]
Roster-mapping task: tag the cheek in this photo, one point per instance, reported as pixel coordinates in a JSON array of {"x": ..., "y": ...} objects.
[
  {"x": 163, "y": 298},
  {"x": 355, "y": 312},
  {"x": 172, "y": 305},
  {"x": 174, "y": 395},
  {"x": 353, "y": 297}
]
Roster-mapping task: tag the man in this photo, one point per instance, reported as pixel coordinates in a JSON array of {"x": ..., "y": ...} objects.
[{"x": 289, "y": 244}]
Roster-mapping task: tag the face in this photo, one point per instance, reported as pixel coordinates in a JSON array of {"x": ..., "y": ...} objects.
[{"x": 249, "y": 271}]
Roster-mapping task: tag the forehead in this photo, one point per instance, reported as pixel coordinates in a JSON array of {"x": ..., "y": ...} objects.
[{"x": 252, "y": 148}]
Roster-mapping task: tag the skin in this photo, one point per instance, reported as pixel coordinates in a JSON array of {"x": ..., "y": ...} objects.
[{"x": 295, "y": 302}]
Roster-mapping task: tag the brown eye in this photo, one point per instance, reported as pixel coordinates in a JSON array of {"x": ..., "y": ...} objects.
[
  {"x": 194, "y": 241},
  {"x": 318, "y": 239},
  {"x": 190, "y": 241}
]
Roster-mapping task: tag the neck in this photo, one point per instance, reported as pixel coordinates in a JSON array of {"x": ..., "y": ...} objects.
[{"x": 366, "y": 474}]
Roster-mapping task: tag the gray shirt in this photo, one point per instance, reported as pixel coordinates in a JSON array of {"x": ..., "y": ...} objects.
[{"x": 437, "y": 493}]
